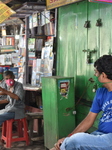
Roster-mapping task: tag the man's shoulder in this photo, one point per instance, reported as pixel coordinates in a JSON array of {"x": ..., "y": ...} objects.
[
  {"x": 102, "y": 89},
  {"x": 3, "y": 84},
  {"x": 18, "y": 83}
]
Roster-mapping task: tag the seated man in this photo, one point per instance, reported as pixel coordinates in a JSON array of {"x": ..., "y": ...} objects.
[
  {"x": 3, "y": 85},
  {"x": 102, "y": 138},
  {"x": 15, "y": 99}
]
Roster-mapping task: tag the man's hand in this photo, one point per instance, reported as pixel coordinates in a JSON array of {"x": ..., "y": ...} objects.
[
  {"x": 58, "y": 144},
  {"x": 3, "y": 90}
]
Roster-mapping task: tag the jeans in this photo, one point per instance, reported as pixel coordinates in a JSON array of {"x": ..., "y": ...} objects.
[
  {"x": 84, "y": 141},
  {"x": 6, "y": 116}
]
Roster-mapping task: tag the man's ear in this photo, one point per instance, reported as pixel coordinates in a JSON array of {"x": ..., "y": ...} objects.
[{"x": 104, "y": 75}]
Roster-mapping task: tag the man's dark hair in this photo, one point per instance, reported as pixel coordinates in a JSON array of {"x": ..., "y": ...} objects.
[
  {"x": 104, "y": 64},
  {"x": 9, "y": 73}
]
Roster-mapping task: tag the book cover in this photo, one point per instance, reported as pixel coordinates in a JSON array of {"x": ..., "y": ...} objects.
[
  {"x": 30, "y": 22},
  {"x": 35, "y": 21}
]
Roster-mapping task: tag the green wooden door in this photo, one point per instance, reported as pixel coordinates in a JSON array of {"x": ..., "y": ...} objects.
[{"x": 73, "y": 38}]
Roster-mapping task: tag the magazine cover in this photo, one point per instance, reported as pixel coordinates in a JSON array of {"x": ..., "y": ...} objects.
[
  {"x": 31, "y": 47},
  {"x": 36, "y": 72},
  {"x": 33, "y": 80},
  {"x": 31, "y": 44},
  {"x": 30, "y": 22},
  {"x": 35, "y": 21}
]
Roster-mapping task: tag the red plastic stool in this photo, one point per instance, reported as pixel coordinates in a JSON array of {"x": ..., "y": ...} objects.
[{"x": 22, "y": 132}]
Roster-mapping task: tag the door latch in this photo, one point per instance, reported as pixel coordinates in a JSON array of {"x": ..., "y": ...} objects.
[
  {"x": 89, "y": 55},
  {"x": 99, "y": 23},
  {"x": 87, "y": 24}
]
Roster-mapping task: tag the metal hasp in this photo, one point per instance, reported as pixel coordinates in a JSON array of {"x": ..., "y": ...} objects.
[
  {"x": 58, "y": 108},
  {"x": 99, "y": 23},
  {"x": 89, "y": 55},
  {"x": 87, "y": 24}
]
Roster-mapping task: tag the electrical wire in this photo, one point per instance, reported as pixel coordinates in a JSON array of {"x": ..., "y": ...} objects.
[{"x": 88, "y": 84}]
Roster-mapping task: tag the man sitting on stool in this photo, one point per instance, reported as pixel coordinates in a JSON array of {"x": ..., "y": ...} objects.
[
  {"x": 3, "y": 85},
  {"x": 15, "y": 99}
]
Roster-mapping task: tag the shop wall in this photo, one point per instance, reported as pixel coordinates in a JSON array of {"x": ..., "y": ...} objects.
[{"x": 73, "y": 38}]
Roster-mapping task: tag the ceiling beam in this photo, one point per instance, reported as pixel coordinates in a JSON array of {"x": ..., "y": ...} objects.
[
  {"x": 35, "y": 3},
  {"x": 29, "y": 8},
  {"x": 6, "y": 1},
  {"x": 19, "y": 15}
]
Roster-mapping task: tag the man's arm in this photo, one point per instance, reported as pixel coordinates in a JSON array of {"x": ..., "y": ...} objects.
[
  {"x": 5, "y": 101},
  {"x": 82, "y": 127},
  {"x": 1, "y": 93},
  {"x": 86, "y": 123},
  {"x": 12, "y": 95}
]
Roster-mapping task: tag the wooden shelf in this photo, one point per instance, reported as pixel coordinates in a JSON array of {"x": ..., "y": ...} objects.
[
  {"x": 8, "y": 35},
  {"x": 21, "y": 34},
  {"x": 39, "y": 36},
  {"x": 29, "y": 87}
]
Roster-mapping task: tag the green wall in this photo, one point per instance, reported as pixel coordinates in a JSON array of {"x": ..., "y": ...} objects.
[{"x": 73, "y": 38}]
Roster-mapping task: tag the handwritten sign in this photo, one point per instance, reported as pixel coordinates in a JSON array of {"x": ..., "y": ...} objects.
[
  {"x": 5, "y": 12},
  {"x": 51, "y": 4}
]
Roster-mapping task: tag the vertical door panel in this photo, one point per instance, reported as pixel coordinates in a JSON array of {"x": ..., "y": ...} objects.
[
  {"x": 72, "y": 39},
  {"x": 106, "y": 29},
  {"x": 93, "y": 44},
  {"x": 80, "y": 45},
  {"x": 66, "y": 45}
]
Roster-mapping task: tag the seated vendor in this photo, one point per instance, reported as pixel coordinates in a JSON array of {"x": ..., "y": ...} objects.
[
  {"x": 3, "y": 85},
  {"x": 14, "y": 100}
]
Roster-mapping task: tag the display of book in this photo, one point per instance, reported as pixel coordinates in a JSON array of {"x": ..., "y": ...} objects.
[
  {"x": 49, "y": 29},
  {"x": 31, "y": 44},
  {"x": 7, "y": 48},
  {"x": 39, "y": 43}
]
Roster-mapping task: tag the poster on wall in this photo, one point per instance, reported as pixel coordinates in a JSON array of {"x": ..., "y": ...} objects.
[
  {"x": 101, "y": 1},
  {"x": 51, "y": 4},
  {"x": 64, "y": 86}
]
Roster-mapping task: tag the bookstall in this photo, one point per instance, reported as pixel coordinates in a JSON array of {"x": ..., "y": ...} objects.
[
  {"x": 28, "y": 50},
  {"x": 40, "y": 57},
  {"x": 36, "y": 55}
]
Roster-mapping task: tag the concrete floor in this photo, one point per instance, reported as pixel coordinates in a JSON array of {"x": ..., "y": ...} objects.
[{"x": 36, "y": 145}]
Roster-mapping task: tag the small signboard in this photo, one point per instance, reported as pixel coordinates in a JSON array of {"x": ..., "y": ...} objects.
[
  {"x": 101, "y": 1},
  {"x": 51, "y": 4},
  {"x": 5, "y": 12}
]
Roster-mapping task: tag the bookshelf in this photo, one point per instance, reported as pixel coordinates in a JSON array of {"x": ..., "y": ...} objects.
[
  {"x": 39, "y": 28},
  {"x": 7, "y": 44},
  {"x": 8, "y": 40}
]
